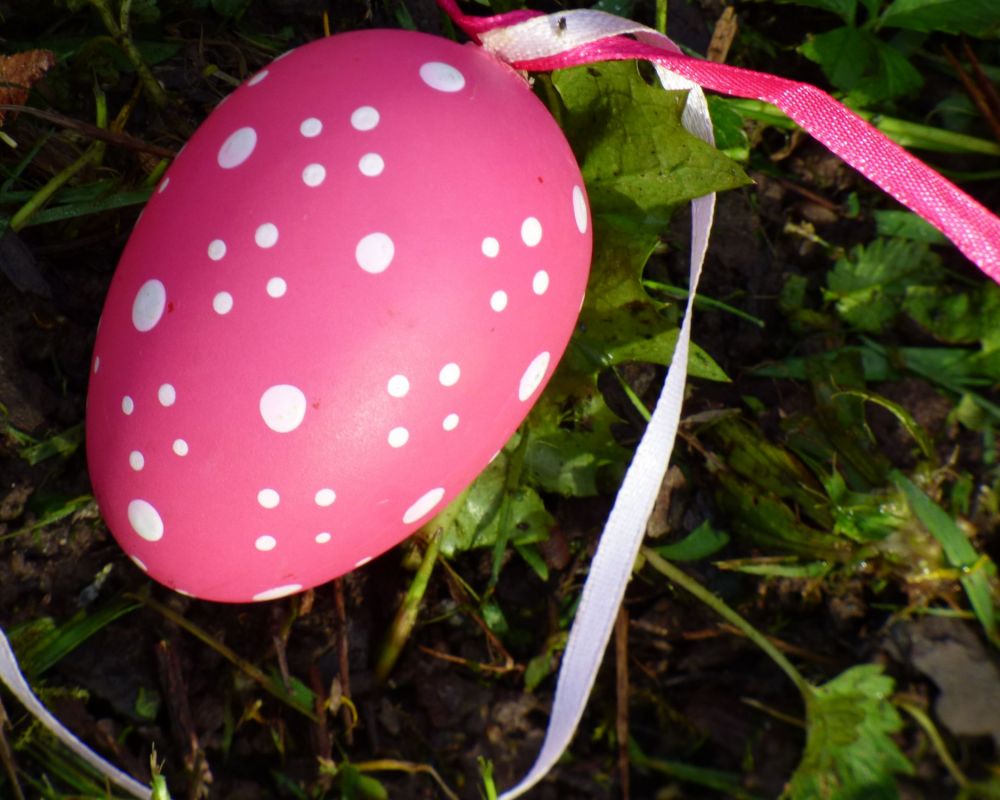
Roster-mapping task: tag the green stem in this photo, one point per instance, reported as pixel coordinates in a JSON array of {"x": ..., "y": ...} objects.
[
  {"x": 92, "y": 155},
  {"x": 119, "y": 32},
  {"x": 406, "y": 617},
  {"x": 942, "y": 749},
  {"x": 723, "y": 610},
  {"x": 660, "y": 23}
]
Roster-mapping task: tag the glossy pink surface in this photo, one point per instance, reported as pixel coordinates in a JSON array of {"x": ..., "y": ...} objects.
[{"x": 343, "y": 298}]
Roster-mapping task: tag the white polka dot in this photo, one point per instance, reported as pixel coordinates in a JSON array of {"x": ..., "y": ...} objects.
[
  {"x": 266, "y": 235},
  {"x": 398, "y": 386},
  {"x": 450, "y": 422},
  {"x": 268, "y": 498},
  {"x": 128, "y": 405},
  {"x": 398, "y": 437},
  {"x": 167, "y": 395},
  {"x": 276, "y": 287},
  {"x": 443, "y": 77},
  {"x": 216, "y": 249},
  {"x": 222, "y": 303},
  {"x": 311, "y": 127},
  {"x": 136, "y": 460},
  {"x": 280, "y": 591},
  {"x": 314, "y": 175},
  {"x": 540, "y": 283},
  {"x": 145, "y": 520},
  {"x": 181, "y": 591},
  {"x": 139, "y": 563},
  {"x": 325, "y": 497},
  {"x": 449, "y": 374},
  {"x": 237, "y": 148},
  {"x": 580, "y": 209},
  {"x": 498, "y": 301},
  {"x": 265, "y": 543},
  {"x": 148, "y": 306},
  {"x": 533, "y": 376},
  {"x": 323, "y": 538},
  {"x": 283, "y": 408},
  {"x": 491, "y": 247},
  {"x": 180, "y": 447},
  {"x": 531, "y": 231},
  {"x": 371, "y": 164},
  {"x": 97, "y": 364},
  {"x": 364, "y": 118},
  {"x": 257, "y": 78},
  {"x": 374, "y": 253},
  {"x": 423, "y": 506},
  {"x": 163, "y": 186}
]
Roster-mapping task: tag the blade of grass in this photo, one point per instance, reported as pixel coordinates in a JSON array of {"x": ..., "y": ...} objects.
[{"x": 957, "y": 549}]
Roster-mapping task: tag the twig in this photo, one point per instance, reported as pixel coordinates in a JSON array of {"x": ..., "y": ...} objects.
[
  {"x": 344, "y": 657},
  {"x": 622, "y": 697},
  {"x": 94, "y": 132},
  {"x": 975, "y": 92},
  {"x": 7, "y": 756}
]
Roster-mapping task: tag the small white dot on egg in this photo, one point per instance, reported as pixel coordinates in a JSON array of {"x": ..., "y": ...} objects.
[
  {"x": 442, "y": 77},
  {"x": 128, "y": 405},
  {"x": 540, "y": 283},
  {"x": 268, "y": 498},
  {"x": 398, "y": 386},
  {"x": 533, "y": 376},
  {"x": 180, "y": 447},
  {"x": 283, "y": 407},
  {"x": 167, "y": 395},
  {"x": 278, "y": 592},
  {"x": 276, "y": 287},
  {"x": 450, "y": 422},
  {"x": 145, "y": 520},
  {"x": 423, "y": 506},
  {"x": 216, "y": 249},
  {"x": 325, "y": 497},
  {"x": 531, "y": 231},
  {"x": 580, "y": 209},
  {"x": 313, "y": 175},
  {"x": 498, "y": 301},
  {"x": 323, "y": 538},
  {"x": 139, "y": 563},
  {"x": 364, "y": 118},
  {"x": 398, "y": 437},
  {"x": 491, "y": 247},
  {"x": 374, "y": 253},
  {"x": 362, "y": 562},
  {"x": 97, "y": 364},
  {"x": 237, "y": 148},
  {"x": 136, "y": 460},
  {"x": 265, "y": 543},
  {"x": 311, "y": 127},
  {"x": 449, "y": 374},
  {"x": 257, "y": 78},
  {"x": 266, "y": 235},
  {"x": 371, "y": 165},
  {"x": 222, "y": 303},
  {"x": 149, "y": 305},
  {"x": 163, "y": 186}
]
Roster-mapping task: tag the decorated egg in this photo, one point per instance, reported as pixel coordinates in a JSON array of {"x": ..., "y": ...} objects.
[{"x": 341, "y": 300}]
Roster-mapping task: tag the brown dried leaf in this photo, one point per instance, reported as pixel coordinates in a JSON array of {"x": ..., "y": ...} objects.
[{"x": 19, "y": 72}]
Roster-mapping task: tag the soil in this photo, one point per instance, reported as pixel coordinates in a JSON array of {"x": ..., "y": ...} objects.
[{"x": 699, "y": 693}]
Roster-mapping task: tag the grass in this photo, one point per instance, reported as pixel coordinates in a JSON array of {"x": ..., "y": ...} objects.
[{"x": 838, "y": 479}]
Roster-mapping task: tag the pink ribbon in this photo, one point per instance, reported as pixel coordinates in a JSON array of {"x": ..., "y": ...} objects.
[{"x": 973, "y": 229}]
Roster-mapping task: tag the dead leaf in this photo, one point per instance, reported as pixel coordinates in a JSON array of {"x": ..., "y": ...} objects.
[
  {"x": 722, "y": 37},
  {"x": 19, "y": 72}
]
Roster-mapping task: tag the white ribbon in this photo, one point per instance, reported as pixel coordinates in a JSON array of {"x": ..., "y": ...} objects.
[
  {"x": 12, "y": 678},
  {"x": 612, "y": 564}
]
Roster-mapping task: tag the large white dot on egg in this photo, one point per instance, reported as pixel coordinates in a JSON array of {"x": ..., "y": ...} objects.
[
  {"x": 375, "y": 252},
  {"x": 145, "y": 520},
  {"x": 278, "y": 592},
  {"x": 148, "y": 306},
  {"x": 283, "y": 407},
  {"x": 442, "y": 77},
  {"x": 237, "y": 148}
]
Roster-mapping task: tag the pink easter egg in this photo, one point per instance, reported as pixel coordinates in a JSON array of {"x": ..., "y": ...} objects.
[{"x": 340, "y": 302}]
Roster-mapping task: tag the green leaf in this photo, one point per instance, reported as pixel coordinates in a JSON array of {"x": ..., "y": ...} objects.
[
  {"x": 869, "y": 284},
  {"x": 635, "y": 155},
  {"x": 849, "y": 751},
  {"x": 702, "y": 542},
  {"x": 974, "y": 17},
  {"x": 907, "y": 225},
  {"x": 845, "y": 9},
  {"x": 958, "y": 317},
  {"x": 844, "y": 54}
]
